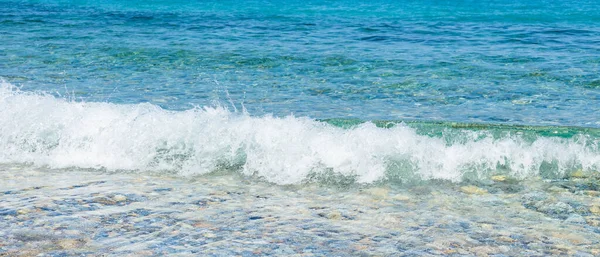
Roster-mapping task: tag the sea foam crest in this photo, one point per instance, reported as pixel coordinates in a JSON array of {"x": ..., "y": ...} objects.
[{"x": 47, "y": 131}]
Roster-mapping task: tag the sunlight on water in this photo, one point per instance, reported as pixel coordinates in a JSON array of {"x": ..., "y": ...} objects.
[
  {"x": 299, "y": 128},
  {"x": 58, "y": 133}
]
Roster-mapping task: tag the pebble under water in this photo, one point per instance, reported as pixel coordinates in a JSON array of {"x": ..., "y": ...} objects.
[
  {"x": 89, "y": 213},
  {"x": 299, "y": 128}
]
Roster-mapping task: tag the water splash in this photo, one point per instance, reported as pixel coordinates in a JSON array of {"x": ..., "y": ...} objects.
[{"x": 47, "y": 131}]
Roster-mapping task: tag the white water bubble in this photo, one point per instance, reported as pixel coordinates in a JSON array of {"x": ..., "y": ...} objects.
[{"x": 44, "y": 130}]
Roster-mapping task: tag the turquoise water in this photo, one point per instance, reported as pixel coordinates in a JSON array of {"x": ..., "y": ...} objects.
[
  {"x": 300, "y": 128},
  {"x": 197, "y": 87},
  {"x": 229, "y": 85},
  {"x": 534, "y": 63}
]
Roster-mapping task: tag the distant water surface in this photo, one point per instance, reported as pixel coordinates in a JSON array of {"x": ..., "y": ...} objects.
[
  {"x": 300, "y": 128},
  {"x": 532, "y": 63}
]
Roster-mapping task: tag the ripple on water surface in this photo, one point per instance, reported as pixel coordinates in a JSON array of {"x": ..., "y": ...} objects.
[{"x": 80, "y": 212}]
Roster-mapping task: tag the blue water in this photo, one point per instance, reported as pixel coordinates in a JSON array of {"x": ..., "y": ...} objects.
[
  {"x": 532, "y": 63},
  {"x": 194, "y": 87},
  {"x": 313, "y": 128}
]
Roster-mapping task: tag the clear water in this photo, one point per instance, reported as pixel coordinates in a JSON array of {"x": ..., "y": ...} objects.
[
  {"x": 532, "y": 63},
  {"x": 300, "y": 128},
  {"x": 279, "y": 89}
]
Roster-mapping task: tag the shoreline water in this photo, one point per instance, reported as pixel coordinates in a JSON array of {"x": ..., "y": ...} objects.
[
  {"x": 49, "y": 131},
  {"x": 90, "y": 213},
  {"x": 286, "y": 128}
]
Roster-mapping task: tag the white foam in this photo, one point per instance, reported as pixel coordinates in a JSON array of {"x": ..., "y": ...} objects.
[{"x": 44, "y": 130}]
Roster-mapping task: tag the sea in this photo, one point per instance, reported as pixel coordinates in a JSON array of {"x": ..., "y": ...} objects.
[{"x": 299, "y": 128}]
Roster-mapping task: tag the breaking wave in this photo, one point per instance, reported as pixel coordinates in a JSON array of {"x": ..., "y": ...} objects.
[{"x": 43, "y": 130}]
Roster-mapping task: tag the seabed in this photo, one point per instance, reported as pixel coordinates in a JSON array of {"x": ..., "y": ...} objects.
[{"x": 47, "y": 212}]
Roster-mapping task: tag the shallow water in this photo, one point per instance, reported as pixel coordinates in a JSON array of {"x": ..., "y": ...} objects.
[
  {"x": 45, "y": 131},
  {"x": 388, "y": 128},
  {"x": 60, "y": 213}
]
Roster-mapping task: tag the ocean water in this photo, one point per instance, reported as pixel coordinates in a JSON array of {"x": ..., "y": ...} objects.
[{"x": 438, "y": 127}]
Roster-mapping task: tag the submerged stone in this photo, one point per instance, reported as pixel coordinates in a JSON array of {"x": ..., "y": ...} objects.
[
  {"x": 579, "y": 174},
  {"x": 334, "y": 215},
  {"x": 119, "y": 198},
  {"x": 575, "y": 219},
  {"x": 209, "y": 235},
  {"x": 559, "y": 209},
  {"x": 593, "y": 221},
  {"x": 104, "y": 201},
  {"x": 499, "y": 178},
  {"x": 592, "y": 193},
  {"x": 22, "y": 211},
  {"x": 473, "y": 190},
  {"x": 401, "y": 197},
  {"x": 595, "y": 209},
  {"x": 378, "y": 193},
  {"x": 68, "y": 244}
]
